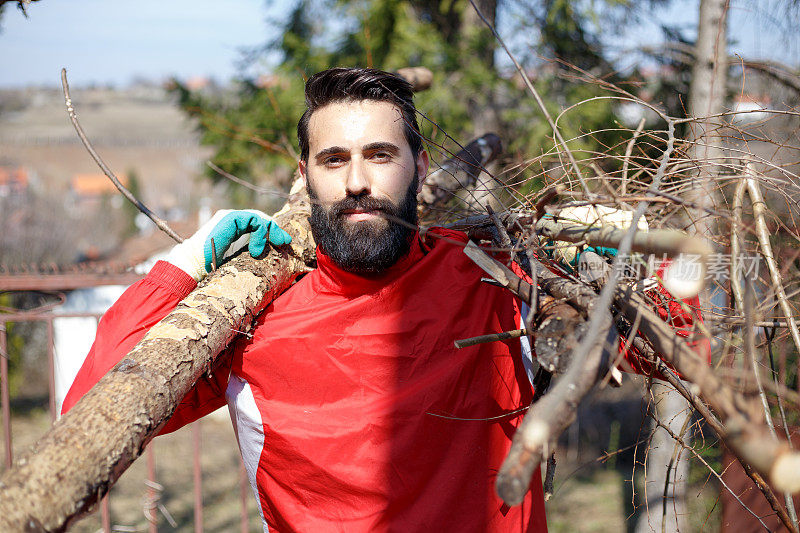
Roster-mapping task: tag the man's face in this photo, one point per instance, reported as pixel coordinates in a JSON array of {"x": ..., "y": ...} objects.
[{"x": 362, "y": 177}]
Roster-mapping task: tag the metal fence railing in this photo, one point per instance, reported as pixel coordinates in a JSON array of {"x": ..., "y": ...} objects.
[{"x": 154, "y": 508}]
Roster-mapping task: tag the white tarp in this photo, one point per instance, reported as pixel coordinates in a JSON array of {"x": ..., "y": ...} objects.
[{"x": 73, "y": 337}]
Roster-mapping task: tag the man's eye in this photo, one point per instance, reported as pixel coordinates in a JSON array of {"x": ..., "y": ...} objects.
[
  {"x": 381, "y": 156},
  {"x": 333, "y": 161}
]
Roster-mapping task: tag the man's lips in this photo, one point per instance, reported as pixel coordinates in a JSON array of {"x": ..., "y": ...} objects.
[{"x": 360, "y": 214}]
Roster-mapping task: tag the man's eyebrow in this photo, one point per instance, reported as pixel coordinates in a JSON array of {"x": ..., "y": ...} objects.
[
  {"x": 371, "y": 147},
  {"x": 382, "y": 146},
  {"x": 329, "y": 151}
]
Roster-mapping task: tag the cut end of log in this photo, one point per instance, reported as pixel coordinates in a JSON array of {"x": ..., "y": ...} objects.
[
  {"x": 785, "y": 474},
  {"x": 536, "y": 436},
  {"x": 420, "y": 78},
  {"x": 684, "y": 276},
  {"x": 511, "y": 489}
]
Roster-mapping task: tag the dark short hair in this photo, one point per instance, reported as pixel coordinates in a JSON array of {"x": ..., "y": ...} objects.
[{"x": 353, "y": 85}]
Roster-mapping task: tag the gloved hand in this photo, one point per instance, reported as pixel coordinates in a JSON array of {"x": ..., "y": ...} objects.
[
  {"x": 589, "y": 215},
  {"x": 231, "y": 231}
]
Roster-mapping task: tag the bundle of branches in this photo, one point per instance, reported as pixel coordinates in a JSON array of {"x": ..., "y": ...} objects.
[
  {"x": 574, "y": 303},
  {"x": 660, "y": 178}
]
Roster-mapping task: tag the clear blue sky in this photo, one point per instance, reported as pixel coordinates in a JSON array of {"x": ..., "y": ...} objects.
[{"x": 111, "y": 41}]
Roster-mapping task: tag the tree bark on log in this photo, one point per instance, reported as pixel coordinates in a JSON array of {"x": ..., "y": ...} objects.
[{"x": 77, "y": 461}]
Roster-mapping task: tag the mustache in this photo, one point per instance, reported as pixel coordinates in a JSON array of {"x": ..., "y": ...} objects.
[{"x": 361, "y": 203}]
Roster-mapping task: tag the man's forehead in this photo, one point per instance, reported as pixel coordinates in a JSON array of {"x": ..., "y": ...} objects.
[{"x": 356, "y": 122}]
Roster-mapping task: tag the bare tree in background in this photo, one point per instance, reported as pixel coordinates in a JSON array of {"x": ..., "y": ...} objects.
[{"x": 667, "y": 464}]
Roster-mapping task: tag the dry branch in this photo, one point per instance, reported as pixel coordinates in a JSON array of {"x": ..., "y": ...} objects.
[
  {"x": 460, "y": 171},
  {"x": 759, "y": 208},
  {"x": 554, "y": 412},
  {"x": 539, "y": 102},
  {"x": 719, "y": 429},
  {"x": 743, "y": 428},
  {"x": 492, "y": 337},
  {"x": 743, "y": 424},
  {"x": 73, "y": 117},
  {"x": 779, "y": 72},
  {"x": 659, "y": 242},
  {"x": 655, "y": 241},
  {"x": 548, "y": 418},
  {"x": 556, "y": 336}
]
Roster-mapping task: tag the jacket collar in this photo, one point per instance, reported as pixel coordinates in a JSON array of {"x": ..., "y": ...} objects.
[{"x": 334, "y": 279}]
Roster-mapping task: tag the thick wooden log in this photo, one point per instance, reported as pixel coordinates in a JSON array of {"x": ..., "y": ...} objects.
[
  {"x": 70, "y": 469},
  {"x": 556, "y": 336}
]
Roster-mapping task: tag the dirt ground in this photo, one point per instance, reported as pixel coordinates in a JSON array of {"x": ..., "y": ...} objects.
[
  {"x": 173, "y": 457},
  {"x": 589, "y": 496}
]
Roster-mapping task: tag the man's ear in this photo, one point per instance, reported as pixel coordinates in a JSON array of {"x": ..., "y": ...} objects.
[
  {"x": 303, "y": 169},
  {"x": 422, "y": 168}
]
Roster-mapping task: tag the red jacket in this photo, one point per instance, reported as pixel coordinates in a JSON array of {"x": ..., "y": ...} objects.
[{"x": 352, "y": 407}]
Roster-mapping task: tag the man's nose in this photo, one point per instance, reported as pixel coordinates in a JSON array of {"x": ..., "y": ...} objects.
[{"x": 358, "y": 182}]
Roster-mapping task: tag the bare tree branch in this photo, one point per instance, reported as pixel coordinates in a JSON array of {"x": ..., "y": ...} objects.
[
  {"x": 775, "y": 70},
  {"x": 163, "y": 226}
]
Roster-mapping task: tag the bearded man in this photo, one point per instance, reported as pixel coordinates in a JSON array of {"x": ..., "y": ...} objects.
[{"x": 352, "y": 408}]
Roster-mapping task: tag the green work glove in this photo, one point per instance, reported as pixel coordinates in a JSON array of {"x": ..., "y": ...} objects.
[
  {"x": 237, "y": 224},
  {"x": 599, "y": 250},
  {"x": 231, "y": 231}
]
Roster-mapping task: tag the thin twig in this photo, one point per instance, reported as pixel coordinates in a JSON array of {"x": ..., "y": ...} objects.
[
  {"x": 778, "y": 386},
  {"x": 743, "y": 429},
  {"x": 736, "y": 288},
  {"x": 538, "y": 99},
  {"x": 623, "y": 188},
  {"x": 672, "y": 466},
  {"x": 750, "y": 345},
  {"x": 739, "y": 321},
  {"x": 247, "y": 184},
  {"x": 691, "y": 450},
  {"x": 163, "y": 226},
  {"x": 492, "y": 337},
  {"x": 719, "y": 429},
  {"x": 759, "y": 206}
]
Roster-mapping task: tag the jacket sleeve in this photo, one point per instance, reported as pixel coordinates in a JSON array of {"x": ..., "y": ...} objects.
[{"x": 125, "y": 323}]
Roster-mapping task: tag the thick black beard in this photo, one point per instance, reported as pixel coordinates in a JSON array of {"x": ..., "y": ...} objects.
[{"x": 365, "y": 247}]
